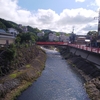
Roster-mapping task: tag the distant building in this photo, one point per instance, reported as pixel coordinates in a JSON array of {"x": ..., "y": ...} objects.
[
  {"x": 63, "y": 37},
  {"x": 20, "y": 26},
  {"x": 13, "y": 31},
  {"x": 51, "y": 36},
  {"x": 23, "y": 28},
  {"x": 6, "y": 38},
  {"x": 80, "y": 39},
  {"x": 72, "y": 38},
  {"x": 40, "y": 34}
]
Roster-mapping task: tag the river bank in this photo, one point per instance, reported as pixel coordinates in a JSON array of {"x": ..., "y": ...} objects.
[
  {"x": 59, "y": 81},
  {"x": 87, "y": 69},
  {"x": 18, "y": 80}
]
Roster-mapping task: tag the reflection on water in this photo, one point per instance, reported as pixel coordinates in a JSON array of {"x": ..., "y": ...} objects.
[{"x": 58, "y": 82}]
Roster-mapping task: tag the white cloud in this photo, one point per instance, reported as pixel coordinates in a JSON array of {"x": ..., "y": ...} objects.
[
  {"x": 79, "y": 0},
  {"x": 97, "y": 2},
  {"x": 48, "y": 19}
]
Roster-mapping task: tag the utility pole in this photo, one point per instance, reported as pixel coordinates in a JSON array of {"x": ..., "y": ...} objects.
[
  {"x": 99, "y": 24},
  {"x": 73, "y": 29}
]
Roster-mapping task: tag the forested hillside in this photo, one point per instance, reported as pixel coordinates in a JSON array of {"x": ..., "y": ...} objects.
[{"x": 4, "y": 24}]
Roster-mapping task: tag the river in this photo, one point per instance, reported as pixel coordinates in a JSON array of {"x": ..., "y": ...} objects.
[{"x": 59, "y": 81}]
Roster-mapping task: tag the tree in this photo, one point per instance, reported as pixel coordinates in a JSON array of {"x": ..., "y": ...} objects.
[
  {"x": 2, "y": 26},
  {"x": 57, "y": 34},
  {"x": 92, "y": 33},
  {"x": 26, "y": 37},
  {"x": 33, "y": 30}
]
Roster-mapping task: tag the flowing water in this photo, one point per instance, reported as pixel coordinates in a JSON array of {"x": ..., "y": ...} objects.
[{"x": 59, "y": 81}]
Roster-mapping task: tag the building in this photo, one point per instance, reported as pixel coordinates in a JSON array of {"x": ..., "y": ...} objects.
[
  {"x": 40, "y": 34},
  {"x": 6, "y": 38},
  {"x": 63, "y": 37},
  {"x": 51, "y": 36},
  {"x": 13, "y": 31},
  {"x": 80, "y": 39},
  {"x": 23, "y": 28}
]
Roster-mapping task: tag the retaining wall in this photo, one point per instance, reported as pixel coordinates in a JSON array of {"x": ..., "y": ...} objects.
[{"x": 93, "y": 57}]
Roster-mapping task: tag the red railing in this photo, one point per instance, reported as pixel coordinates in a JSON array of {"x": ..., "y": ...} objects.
[
  {"x": 52, "y": 43},
  {"x": 83, "y": 47}
]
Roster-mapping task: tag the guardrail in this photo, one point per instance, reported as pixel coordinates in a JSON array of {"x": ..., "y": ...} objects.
[
  {"x": 50, "y": 43},
  {"x": 84, "y": 47},
  {"x": 79, "y": 46}
]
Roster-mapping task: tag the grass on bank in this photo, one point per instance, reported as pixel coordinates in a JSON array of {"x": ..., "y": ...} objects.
[
  {"x": 28, "y": 66},
  {"x": 15, "y": 75},
  {"x": 16, "y": 92},
  {"x": 18, "y": 73}
]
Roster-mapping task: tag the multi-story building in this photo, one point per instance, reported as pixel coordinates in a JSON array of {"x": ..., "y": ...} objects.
[
  {"x": 23, "y": 28},
  {"x": 40, "y": 34},
  {"x": 6, "y": 38},
  {"x": 63, "y": 37},
  {"x": 51, "y": 36},
  {"x": 13, "y": 31}
]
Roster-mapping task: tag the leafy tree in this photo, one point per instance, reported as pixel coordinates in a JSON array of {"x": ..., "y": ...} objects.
[
  {"x": 92, "y": 33},
  {"x": 18, "y": 39},
  {"x": 6, "y": 23},
  {"x": 57, "y": 34},
  {"x": 26, "y": 37},
  {"x": 33, "y": 30},
  {"x": 2, "y": 26}
]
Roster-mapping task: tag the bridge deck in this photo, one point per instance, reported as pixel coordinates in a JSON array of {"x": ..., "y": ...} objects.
[{"x": 83, "y": 47}]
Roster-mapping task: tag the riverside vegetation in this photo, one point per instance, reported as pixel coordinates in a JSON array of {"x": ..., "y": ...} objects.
[
  {"x": 19, "y": 68},
  {"x": 87, "y": 69}
]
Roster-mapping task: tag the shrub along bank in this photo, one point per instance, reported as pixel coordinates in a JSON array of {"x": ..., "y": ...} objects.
[
  {"x": 87, "y": 69},
  {"x": 26, "y": 67}
]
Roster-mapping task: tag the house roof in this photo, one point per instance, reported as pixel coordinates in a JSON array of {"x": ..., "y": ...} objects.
[
  {"x": 3, "y": 34},
  {"x": 2, "y": 31}
]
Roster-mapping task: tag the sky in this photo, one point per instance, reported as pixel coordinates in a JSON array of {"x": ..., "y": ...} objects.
[{"x": 55, "y": 15}]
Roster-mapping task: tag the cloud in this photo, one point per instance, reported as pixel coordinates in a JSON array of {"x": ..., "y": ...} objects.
[
  {"x": 90, "y": 27},
  {"x": 76, "y": 16},
  {"x": 48, "y": 19},
  {"x": 46, "y": 16},
  {"x": 97, "y": 2},
  {"x": 79, "y": 0}
]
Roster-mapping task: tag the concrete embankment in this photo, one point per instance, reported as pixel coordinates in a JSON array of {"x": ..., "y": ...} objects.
[
  {"x": 85, "y": 65},
  {"x": 18, "y": 80}
]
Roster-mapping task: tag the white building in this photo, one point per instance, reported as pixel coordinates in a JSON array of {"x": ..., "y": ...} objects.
[
  {"x": 6, "y": 38},
  {"x": 40, "y": 34},
  {"x": 63, "y": 38},
  {"x": 51, "y": 36},
  {"x": 13, "y": 31},
  {"x": 23, "y": 28}
]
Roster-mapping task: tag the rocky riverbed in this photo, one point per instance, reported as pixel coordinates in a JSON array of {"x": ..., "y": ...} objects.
[{"x": 88, "y": 70}]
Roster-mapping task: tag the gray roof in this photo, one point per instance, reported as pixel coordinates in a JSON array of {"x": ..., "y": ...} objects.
[{"x": 2, "y": 31}]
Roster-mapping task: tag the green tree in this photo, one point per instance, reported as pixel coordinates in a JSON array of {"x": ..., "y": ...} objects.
[
  {"x": 57, "y": 34},
  {"x": 92, "y": 33},
  {"x": 26, "y": 37},
  {"x": 33, "y": 30},
  {"x": 2, "y": 26}
]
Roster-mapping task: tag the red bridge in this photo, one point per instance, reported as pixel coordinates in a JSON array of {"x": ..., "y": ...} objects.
[
  {"x": 52, "y": 43},
  {"x": 83, "y": 47}
]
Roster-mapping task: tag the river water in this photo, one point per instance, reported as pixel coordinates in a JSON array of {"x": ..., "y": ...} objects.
[{"x": 59, "y": 81}]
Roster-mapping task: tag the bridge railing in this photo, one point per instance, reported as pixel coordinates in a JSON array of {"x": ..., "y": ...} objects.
[
  {"x": 50, "y": 43},
  {"x": 83, "y": 47}
]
